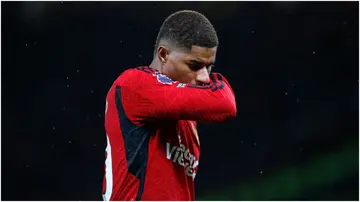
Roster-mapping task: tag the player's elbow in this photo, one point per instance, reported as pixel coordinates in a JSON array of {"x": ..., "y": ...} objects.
[
  {"x": 230, "y": 110},
  {"x": 233, "y": 111},
  {"x": 226, "y": 111}
]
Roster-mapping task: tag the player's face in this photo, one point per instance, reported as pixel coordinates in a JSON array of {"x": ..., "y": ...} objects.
[{"x": 190, "y": 67}]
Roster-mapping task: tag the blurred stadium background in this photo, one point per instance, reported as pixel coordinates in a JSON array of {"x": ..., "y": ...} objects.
[{"x": 293, "y": 66}]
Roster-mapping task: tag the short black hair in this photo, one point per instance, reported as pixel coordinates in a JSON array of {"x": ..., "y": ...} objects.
[{"x": 186, "y": 28}]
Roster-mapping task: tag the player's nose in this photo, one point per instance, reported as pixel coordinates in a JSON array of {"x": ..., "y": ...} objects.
[{"x": 202, "y": 76}]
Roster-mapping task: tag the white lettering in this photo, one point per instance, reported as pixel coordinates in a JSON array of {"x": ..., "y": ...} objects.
[
  {"x": 190, "y": 172},
  {"x": 168, "y": 152},
  {"x": 183, "y": 157},
  {"x": 176, "y": 155}
]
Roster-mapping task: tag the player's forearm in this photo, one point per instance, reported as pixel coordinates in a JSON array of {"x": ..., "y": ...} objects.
[
  {"x": 219, "y": 107},
  {"x": 198, "y": 105},
  {"x": 225, "y": 109},
  {"x": 156, "y": 101},
  {"x": 221, "y": 104}
]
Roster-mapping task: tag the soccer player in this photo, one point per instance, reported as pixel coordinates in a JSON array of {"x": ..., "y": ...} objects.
[{"x": 153, "y": 147}]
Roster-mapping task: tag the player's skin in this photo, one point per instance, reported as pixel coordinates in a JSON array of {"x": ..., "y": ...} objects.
[{"x": 179, "y": 64}]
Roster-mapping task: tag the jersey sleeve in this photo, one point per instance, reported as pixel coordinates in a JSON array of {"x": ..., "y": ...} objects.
[{"x": 148, "y": 96}]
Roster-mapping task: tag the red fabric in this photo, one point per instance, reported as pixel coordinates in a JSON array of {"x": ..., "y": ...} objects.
[
  {"x": 145, "y": 98},
  {"x": 170, "y": 111}
]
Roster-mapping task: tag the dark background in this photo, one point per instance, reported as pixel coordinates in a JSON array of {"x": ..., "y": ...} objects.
[{"x": 293, "y": 67}]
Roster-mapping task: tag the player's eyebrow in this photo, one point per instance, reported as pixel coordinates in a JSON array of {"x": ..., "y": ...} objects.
[{"x": 197, "y": 62}]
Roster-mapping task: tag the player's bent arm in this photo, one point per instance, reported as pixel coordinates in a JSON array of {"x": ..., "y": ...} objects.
[{"x": 153, "y": 100}]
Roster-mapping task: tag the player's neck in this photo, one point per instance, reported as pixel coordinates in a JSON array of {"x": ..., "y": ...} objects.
[{"x": 155, "y": 64}]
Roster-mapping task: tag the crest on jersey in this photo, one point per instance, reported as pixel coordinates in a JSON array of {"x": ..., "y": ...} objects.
[{"x": 163, "y": 79}]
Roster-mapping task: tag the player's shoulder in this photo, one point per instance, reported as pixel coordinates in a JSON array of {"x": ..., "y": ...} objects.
[
  {"x": 136, "y": 72},
  {"x": 134, "y": 75},
  {"x": 143, "y": 76}
]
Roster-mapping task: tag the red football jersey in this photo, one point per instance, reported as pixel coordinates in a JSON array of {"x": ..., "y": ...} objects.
[{"x": 153, "y": 148}]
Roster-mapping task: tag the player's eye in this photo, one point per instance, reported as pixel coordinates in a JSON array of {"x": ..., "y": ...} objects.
[{"x": 195, "y": 67}]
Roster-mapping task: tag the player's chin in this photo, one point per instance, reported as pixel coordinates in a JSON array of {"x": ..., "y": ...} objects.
[
  {"x": 200, "y": 84},
  {"x": 189, "y": 82}
]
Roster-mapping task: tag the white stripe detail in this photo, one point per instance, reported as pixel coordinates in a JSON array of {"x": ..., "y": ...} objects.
[{"x": 108, "y": 172}]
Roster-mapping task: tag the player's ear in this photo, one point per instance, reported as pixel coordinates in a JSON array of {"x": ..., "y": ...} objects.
[{"x": 163, "y": 54}]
